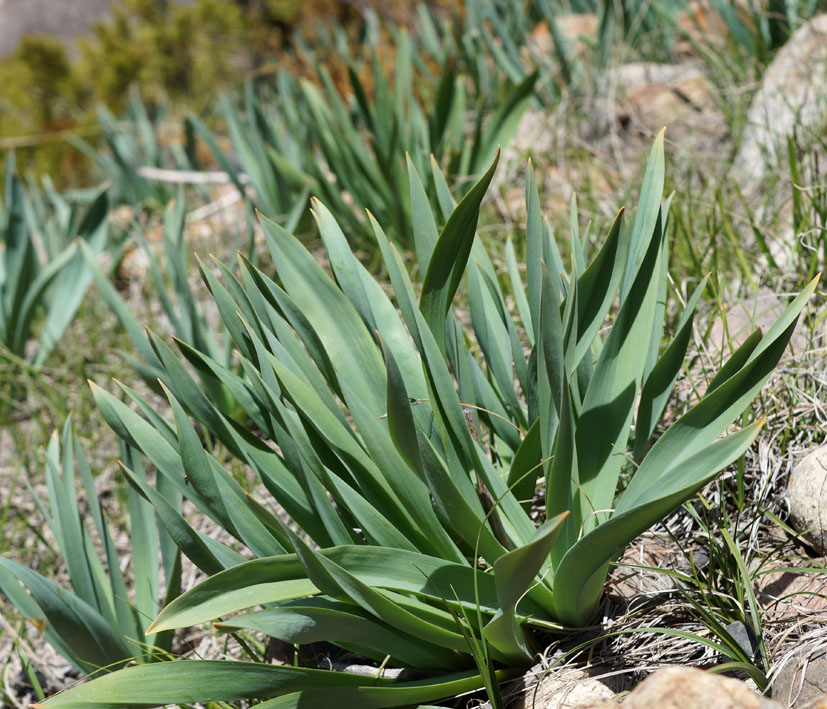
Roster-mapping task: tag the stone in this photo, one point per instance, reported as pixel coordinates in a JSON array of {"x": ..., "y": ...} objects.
[
  {"x": 678, "y": 96},
  {"x": 792, "y": 96},
  {"x": 618, "y": 121},
  {"x": 700, "y": 24},
  {"x": 790, "y": 102},
  {"x": 788, "y": 595},
  {"x": 802, "y": 681},
  {"x": 807, "y": 496},
  {"x": 567, "y": 688},
  {"x": 690, "y": 688},
  {"x": 579, "y": 29},
  {"x": 745, "y": 637}
]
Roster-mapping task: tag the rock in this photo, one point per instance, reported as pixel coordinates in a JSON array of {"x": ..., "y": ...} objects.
[
  {"x": 745, "y": 637},
  {"x": 792, "y": 96},
  {"x": 802, "y": 681},
  {"x": 567, "y": 688},
  {"x": 678, "y": 96},
  {"x": 700, "y": 24},
  {"x": 618, "y": 121},
  {"x": 791, "y": 101},
  {"x": 807, "y": 495},
  {"x": 788, "y": 595},
  {"x": 689, "y": 688}
]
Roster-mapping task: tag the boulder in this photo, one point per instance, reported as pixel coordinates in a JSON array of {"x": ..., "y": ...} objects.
[
  {"x": 791, "y": 101},
  {"x": 690, "y": 688},
  {"x": 807, "y": 495},
  {"x": 566, "y": 687},
  {"x": 792, "y": 97}
]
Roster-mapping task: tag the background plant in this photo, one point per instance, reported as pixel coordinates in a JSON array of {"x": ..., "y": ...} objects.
[
  {"x": 96, "y": 625},
  {"x": 42, "y": 267}
]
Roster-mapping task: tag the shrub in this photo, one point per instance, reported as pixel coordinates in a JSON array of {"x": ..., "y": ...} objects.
[{"x": 404, "y": 465}]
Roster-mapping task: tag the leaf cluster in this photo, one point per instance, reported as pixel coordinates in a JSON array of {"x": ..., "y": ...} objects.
[{"x": 408, "y": 464}]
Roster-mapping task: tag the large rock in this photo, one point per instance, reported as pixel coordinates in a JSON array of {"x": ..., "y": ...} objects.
[
  {"x": 802, "y": 682},
  {"x": 566, "y": 688},
  {"x": 618, "y": 121},
  {"x": 649, "y": 96},
  {"x": 689, "y": 688},
  {"x": 807, "y": 495},
  {"x": 792, "y": 97},
  {"x": 791, "y": 101}
]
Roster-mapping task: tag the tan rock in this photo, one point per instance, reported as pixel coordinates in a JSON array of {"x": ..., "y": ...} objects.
[
  {"x": 578, "y": 29},
  {"x": 807, "y": 495},
  {"x": 678, "y": 96},
  {"x": 786, "y": 595},
  {"x": 689, "y": 688},
  {"x": 700, "y": 24},
  {"x": 792, "y": 96},
  {"x": 567, "y": 688}
]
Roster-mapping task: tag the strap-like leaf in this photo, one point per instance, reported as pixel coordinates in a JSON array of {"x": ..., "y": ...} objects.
[{"x": 450, "y": 256}]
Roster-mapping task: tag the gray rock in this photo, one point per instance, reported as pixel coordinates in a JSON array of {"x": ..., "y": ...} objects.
[
  {"x": 743, "y": 635},
  {"x": 792, "y": 100},
  {"x": 807, "y": 495},
  {"x": 792, "y": 96},
  {"x": 802, "y": 681}
]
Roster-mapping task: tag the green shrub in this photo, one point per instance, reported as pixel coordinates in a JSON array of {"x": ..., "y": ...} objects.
[{"x": 408, "y": 464}]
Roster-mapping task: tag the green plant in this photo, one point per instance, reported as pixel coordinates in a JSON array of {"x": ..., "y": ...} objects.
[
  {"x": 294, "y": 138},
  {"x": 178, "y": 301},
  {"x": 416, "y": 547},
  {"x": 96, "y": 625},
  {"x": 58, "y": 282}
]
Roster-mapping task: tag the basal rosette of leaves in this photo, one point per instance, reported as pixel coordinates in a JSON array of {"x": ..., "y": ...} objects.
[{"x": 404, "y": 464}]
